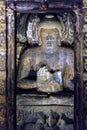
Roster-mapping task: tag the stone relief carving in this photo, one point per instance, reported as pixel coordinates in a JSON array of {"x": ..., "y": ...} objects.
[
  {"x": 67, "y": 21},
  {"x": 10, "y": 16},
  {"x": 44, "y": 100},
  {"x": 2, "y": 59},
  {"x": 85, "y": 16},
  {"x": 84, "y": 3},
  {"x": 2, "y": 87},
  {"x": 85, "y": 59},
  {"x": 2, "y": 25},
  {"x": 2, "y": 37},
  {"x": 85, "y": 39},
  {"x": 10, "y": 64},
  {"x": 2, "y": 65},
  {"x": 45, "y": 62},
  {"x": 45, "y": 118},
  {"x": 11, "y": 41},
  {"x": 85, "y": 64}
]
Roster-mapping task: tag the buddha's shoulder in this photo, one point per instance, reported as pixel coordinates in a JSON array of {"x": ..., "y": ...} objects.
[{"x": 31, "y": 51}]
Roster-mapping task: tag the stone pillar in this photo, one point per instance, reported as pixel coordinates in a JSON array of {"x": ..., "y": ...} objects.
[
  {"x": 2, "y": 66},
  {"x": 85, "y": 60}
]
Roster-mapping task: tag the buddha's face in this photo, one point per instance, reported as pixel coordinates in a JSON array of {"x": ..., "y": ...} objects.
[{"x": 49, "y": 39}]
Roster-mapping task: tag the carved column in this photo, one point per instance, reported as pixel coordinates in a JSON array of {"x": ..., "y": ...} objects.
[
  {"x": 85, "y": 60},
  {"x": 2, "y": 66},
  {"x": 79, "y": 71},
  {"x": 11, "y": 66}
]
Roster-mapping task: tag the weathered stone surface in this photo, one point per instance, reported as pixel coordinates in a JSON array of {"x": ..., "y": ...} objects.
[
  {"x": 84, "y": 3},
  {"x": 2, "y": 12},
  {"x": 2, "y": 99},
  {"x": 18, "y": 51},
  {"x": 36, "y": 57},
  {"x": 84, "y": 27},
  {"x": 2, "y": 65},
  {"x": 24, "y": 99},
  {"x": 44, "y": 118},
  {"x": 85, "y": 76},
  {"x": 52, "y": 120},
  {"x": 2, "y": 113},
  {"x": 85, "y": 15},
  {"x": 2, "y": 59},
  {"x": 2, "y": 75},
  {"x": 2, "y": 87},
  {"x": 2, "y": 25},
  {"x": 3, "y": 124},
  {"x": 2, "y": 36}
]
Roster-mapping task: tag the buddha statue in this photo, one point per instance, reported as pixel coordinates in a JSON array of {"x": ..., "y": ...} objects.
[{"x": 42, "y": 66}]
